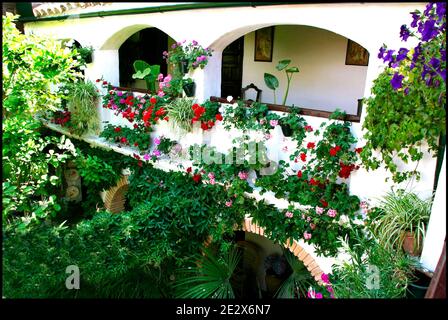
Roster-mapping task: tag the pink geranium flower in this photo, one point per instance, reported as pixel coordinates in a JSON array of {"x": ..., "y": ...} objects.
[
  {"x": 243, "y": 175},
  {"x": 332, "y": 213},
  {"x": 289, "y": 214}
]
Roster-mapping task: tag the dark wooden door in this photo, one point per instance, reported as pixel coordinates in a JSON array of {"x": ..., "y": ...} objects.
[{"x": 232, "y": 69}]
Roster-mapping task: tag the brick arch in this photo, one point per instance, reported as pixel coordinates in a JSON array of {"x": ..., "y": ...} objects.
[
  {"x": 115, "y": 197},
  {"x": 293, "y": 246}
]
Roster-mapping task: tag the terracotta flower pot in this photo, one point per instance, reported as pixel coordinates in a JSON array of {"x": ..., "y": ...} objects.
[{"x": 408, "y": 244}]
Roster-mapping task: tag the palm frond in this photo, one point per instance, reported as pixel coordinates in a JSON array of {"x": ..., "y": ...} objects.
[
  {"x": 298, "y": 281},
  {"x": 211, "y": 278}
]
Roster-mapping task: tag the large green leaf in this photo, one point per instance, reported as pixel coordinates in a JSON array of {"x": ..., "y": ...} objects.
[
  {"x": 141, "y": 74},
  {"x": 282, "y": 64},
  {"x": 140, "y": 65},
  {"x": 292, "y": 69},
  {"x": 271, "y": 81}
]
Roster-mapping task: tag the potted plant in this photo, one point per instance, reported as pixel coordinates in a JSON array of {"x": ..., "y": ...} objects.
[
  {"x": 146, "y": 72},
  {"x": 292, "y": 123},
  {"x": 81, "y": 103},
  {"x": 402, "y": 223},
  {"x": 189, "y": 87},
  {"x": 277, "y": 269},
  {"x": 272, "y": 83},
  {"x": 86, "y": 54},
  {"x": 189, "y": 57}
]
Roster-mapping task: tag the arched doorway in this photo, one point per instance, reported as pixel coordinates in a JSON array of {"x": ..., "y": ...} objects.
[{"x": 148, "y": 45}]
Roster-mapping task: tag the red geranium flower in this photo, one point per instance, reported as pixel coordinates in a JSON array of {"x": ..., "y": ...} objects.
[
  {"x": 124, "y": 140},
  {"x": 197, "y": 178},
  {"x": 117, "y": 129},
  {"x": 308, "y": 128},
  {"x": 324, "y": 203},
  {"x": 136, "y": 144},
  {"x": 189, "y": 169},
  {"x": 299, "y": 174},
  {"x": 345, "y": 170},
  {"x": 334, "y": 151},
  {"x": 104, "y": 82},
  {"x": 166, "y": 118},
  {"x": 218, "y": 117},
  {"x": 358, "y": 150},
  {"x": 204, "y": 126},
  {"x": 313, "y": 182},
  {"x": 310, "y": 145},
  {"x": 153, "y": 100},
  {"x": 303, "y": 156}
]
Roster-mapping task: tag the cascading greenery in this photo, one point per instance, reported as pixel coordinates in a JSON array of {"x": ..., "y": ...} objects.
[
  {"x": 181, "y": 113},
  {"x": 82, "y": 104}
]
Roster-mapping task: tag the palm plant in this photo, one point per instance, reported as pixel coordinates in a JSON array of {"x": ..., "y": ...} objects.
[
  {"x": 211, "y": 278},
  {"x": 81, "y": 103},
  {"x": 299, "y": 280},
  {"x": 180, "y": 113},
  {"x": 402, "y": 212}
]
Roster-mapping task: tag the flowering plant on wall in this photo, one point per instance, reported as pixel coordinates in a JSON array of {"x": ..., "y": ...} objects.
[
  {"x": 408, "y": 102},
  {"x": 193, "y": 54}
]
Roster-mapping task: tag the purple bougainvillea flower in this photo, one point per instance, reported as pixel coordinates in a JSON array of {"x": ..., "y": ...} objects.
[
  {"x": 194, "y": 42},
  {"x": 146, "y": 157},
  {"x": 119, "y": 93},
  {"x": 325, "y": 278},
  {"x": 404, "y": 33},
  {"x": 396, "y": 81},
  {"x": 156, "y": 141},
  {"x": 122, "y": 101}
]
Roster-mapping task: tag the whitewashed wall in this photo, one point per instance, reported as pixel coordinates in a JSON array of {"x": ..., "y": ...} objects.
[
  {"x": 324, "y": 81},
  {"x": 369, "y": 24}
]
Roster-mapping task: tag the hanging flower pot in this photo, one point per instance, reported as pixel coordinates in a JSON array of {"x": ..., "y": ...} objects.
[
  {"x": 286, "y": 129},
  {"x": 88, "y": 58},
  {"x": 189, "y": 89}
]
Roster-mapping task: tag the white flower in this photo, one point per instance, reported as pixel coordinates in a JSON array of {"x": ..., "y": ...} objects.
[
  {"x": 66, "y": 91},
  {"x": 229, "y": 98},
  {"x": 82, "y": 67},
  {"x": 70, "y": 43}
]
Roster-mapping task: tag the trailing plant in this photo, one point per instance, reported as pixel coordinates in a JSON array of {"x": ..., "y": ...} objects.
[
  {"x": 128, "y": 137},
  {"x": 406, "y": 112},
  {"x": 85, "y": 53},
  {"x": 81, "y": 104},
  {"x": 164, "y": 145},
  {"x": 296, "y": 124},
  {"x": 272, "y": 83},
  {"x": 401, "y": 212}
]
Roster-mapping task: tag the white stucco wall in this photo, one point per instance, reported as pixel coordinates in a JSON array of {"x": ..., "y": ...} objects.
[
  {"x": 324, "y": 81},
  {"x": 369, "y": 24}
]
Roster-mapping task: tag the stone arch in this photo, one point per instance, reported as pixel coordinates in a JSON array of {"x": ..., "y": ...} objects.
[
  {"x": 115, "y": 197},
  {"x": 293, "y": 246}
]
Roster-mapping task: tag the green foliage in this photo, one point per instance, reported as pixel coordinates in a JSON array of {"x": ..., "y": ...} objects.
[
  {"x": 32, "y": 66},
  {"x": 211, "y": 278},
  {"x": 372, "y": 271},
  {"x": 272, "y": 82},
  {"x": 399, "y": 125},
  {"x": 401, "y": 212},
  {"x": 136, "y": 137},
  {"x": 298, "y": 282},
  {"x": 82, "y": 101},
  {"x": 147, "y": 72}
]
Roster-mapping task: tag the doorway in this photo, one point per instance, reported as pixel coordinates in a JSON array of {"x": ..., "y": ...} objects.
[{"x": 232, "y": 69}]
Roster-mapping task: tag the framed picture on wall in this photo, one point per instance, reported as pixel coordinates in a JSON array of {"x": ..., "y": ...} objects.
[
  {"x": 356, "y": 54},
  {"x": 264, "y": 44}
]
